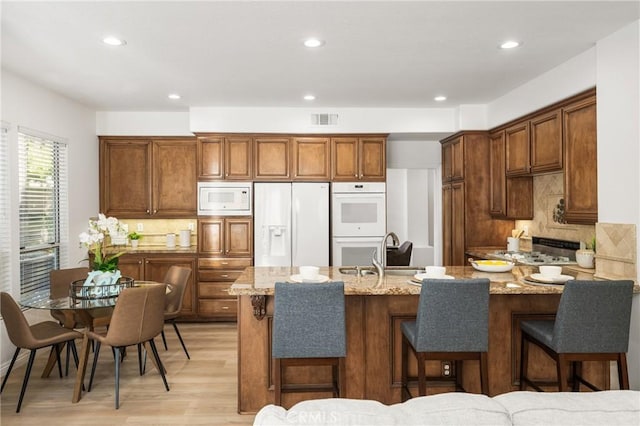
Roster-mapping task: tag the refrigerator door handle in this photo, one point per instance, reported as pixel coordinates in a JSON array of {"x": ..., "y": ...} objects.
[{"x": 294, "y": 233}]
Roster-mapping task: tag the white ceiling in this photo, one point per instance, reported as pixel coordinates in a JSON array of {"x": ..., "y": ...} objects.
[{"x": 250, "y": 53}]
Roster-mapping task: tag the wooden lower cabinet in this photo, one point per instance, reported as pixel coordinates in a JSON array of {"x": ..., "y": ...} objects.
[
  {"x": 215, "y": 276},
  {"x": 154, "y": 267}
]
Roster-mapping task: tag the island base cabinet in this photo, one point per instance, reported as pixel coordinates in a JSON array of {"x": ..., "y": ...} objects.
[{"x": 373, "y": 361}]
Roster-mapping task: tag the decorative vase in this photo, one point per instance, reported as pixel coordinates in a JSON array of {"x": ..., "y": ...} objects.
[
  {"x": 585, "y": 258},
  {"x": 134, "y": 244}
]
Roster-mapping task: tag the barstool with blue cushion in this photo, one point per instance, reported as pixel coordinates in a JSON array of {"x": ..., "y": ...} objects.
[
  {"x": 591, "y": 324},
  {"x": 452, "y": 324},
  {"x": 309, "y": 329}
]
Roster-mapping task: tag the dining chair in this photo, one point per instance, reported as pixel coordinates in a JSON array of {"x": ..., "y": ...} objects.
[
  {"x": 452, "y": 324},
  {"x": 32, "y": 337},
  {"x": 592, "y": 324},
  {"x": 309, "y": 329},
  {"x": 177, "y": 277},
  {"x": 137, "y": 319}
]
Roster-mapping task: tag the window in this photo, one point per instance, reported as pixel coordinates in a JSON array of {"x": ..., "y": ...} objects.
[
  {"x": 43, "y": 207},
  {"x": 5, "y": 269}
]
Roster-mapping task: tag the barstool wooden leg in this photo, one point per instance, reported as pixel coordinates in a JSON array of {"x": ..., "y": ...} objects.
[
  {"x": 342, "y": 377},
  {"x": 277, "y": 381},
  {"x": 422, "y": 380},
  {"x": 459, "y": 374},
  {"x": 623, "y": 374},
  {"x": 484, "y": 373},
  {"x": 577, "y": 375},
  {"x": 524, "y": 359},
  {"x": 561, "y": 366},
  {"x": 404, "y": 391}
]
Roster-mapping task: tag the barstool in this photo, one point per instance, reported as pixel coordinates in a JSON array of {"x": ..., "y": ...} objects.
[
  {"x": 592, "y": 324},
  {"x": 452, "y": 324},
  {"x": 309, "y": 329}
]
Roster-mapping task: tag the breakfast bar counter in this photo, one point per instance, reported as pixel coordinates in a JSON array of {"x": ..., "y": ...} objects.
[{"x": 375, "y": 308}]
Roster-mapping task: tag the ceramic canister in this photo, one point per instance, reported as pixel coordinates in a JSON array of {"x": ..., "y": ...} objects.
[
  {"x": 185, "y": 238},
  {"x": 171, "y": 240}
]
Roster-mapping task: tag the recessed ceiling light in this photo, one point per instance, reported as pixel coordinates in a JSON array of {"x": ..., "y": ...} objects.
[
  {"x": 114, "y": 41},
  {"x": 440, "y": 98},
  {"x": 313, "y": 42},
  {"x": 309, "y": 97},
  {"x": 509, "y": 44},
  {"x": 174, "y": 96}
]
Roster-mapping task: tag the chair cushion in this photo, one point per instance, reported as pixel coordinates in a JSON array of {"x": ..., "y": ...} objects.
[
  {"x": 572, "y": 408},
  {"x": 540, "y": 330}
]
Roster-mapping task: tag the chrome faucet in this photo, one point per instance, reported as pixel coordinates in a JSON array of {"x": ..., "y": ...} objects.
[
  {"x": 383, "y": 247},
  {"x": 377, "y": 264}
]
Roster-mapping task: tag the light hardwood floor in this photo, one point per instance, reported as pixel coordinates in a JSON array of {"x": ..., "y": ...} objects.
[{"x": 203, "y": 389}]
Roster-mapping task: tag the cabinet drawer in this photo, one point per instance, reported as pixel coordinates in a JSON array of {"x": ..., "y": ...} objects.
[
  {"x": 217, "y": 275},
  {"x": 218, "y": 307},
  {"x": 215, "y": 290},
  {"x": 224, "y": 263}
]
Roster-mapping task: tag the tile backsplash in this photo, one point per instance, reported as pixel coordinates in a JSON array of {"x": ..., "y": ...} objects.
[
  {"x": 548, "y": 201},
  {"x": 154, "y": 231},
  {"x": 616, "y": 251}
]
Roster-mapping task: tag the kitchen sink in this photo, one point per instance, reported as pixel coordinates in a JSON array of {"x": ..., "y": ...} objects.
[{"x": 403, "y": 271}]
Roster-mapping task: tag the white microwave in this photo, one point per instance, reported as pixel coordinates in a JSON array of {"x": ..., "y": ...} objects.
[{"x": 224, "y": 198}]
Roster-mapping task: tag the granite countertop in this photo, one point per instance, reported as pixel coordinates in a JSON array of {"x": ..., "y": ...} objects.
[{"x": 260, "y": 281}]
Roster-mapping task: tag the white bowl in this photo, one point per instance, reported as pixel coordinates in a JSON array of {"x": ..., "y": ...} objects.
[
  {"x": 492, "y": 265},
  {"x": 550, "y": 271},
  {"x": 309, "y": 272},
  {"x": 435, "y": 271}
]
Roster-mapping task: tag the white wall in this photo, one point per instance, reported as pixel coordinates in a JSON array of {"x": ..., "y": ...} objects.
[
  {"x": 567, "y": 79},
  {"x": 142, "y": 123},
  {"x": 618, "y": 88},
  {"x": 24, "y": 104}
]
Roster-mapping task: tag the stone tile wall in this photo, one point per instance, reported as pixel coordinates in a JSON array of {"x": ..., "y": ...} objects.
[{"x": 616, "y": 251}]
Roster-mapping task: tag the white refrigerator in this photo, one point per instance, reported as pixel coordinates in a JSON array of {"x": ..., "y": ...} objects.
[{"x": 291, "y": 224}]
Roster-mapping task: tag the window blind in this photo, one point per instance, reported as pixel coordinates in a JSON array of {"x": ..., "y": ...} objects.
[
  {"x": 5, "y": 265},
  {"x": 43, "y": 207}
]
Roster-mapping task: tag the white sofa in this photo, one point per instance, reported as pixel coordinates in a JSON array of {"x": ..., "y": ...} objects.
[{"x": 514, "y": 408}]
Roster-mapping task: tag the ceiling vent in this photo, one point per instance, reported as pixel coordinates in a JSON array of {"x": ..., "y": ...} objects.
[{"x": 324, "y": 119}]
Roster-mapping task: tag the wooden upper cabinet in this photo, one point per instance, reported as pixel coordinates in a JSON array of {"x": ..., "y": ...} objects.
[
  {"x": 373, "y": 163},
  {"x": 517, "y": 149},
  {"x": 229, "y": 236},
  {"x": 344, "y": 161},
  {"x": 125, "y": 177},
  {"x": 358, "y": 158},
  {"x": 141, "y": 178},
  {"x": 581, "y": 167},
  {"x": 498, "y": 200},
  {"x": 453, "y": 160},
  {"x": 546, "y": 142},
  {"x": 272, "y": 158},
  {"x": 224, "y": 158},
  {"x": 174, "y": 178},
  {"x": 311, "y": 158}
]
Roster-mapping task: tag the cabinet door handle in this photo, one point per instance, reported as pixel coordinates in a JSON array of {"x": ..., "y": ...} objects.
[
  {"x": 224, "y": 275},
  {"x": 224, "y": 263},
  {"x": 148, "y": 211},
  {"x": 225, "y": 308},
  {"x": 155, "y": 211}
]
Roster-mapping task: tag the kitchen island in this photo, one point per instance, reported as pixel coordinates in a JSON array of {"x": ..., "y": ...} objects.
[{"x": 375, "y": 308}]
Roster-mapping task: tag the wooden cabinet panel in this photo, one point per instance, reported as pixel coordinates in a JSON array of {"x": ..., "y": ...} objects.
[
  {"x": 546, "y": 142},
  {"x": 216, "y": 290},
  {"x": 453, "y": 160},
  {"x": 447, "y": 240},
  {"x": 238, "y": 158},
  {"x": 125, "y": 177},
  {"x": 218, "y": 308},
  {"x": 344, "y": 161},
  {"x": 211, "y": 236},
  {"x": 311, "y": 159},
  {"x": 457, "y": 223},
  {"x": 517, "y": 149},
  {"x": 174, "y": 178},
  {"x": 373, "y": 163},
  {"x": 224, "y": 263},
  {"x": 142, "y": 178},
  {"x": 272, "y": 159},
  {"x": 359, "y": 159},
  {"x": 520, "y": 197},
  {"x": 581, "y": 167},
  {"x": 498, "y": 205},
  {"x": 239, "y": 237},
  {"x": 210, "y": 158},
  {"x": 152, "y": 267},
  {"x": 224, "y": 157}
]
